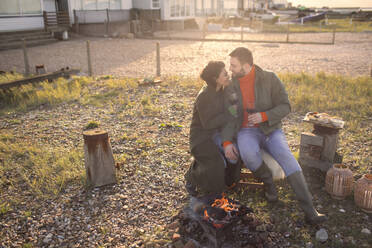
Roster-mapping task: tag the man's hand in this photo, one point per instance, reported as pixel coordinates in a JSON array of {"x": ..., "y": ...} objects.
[
  {"x": 231, "y": 152},
  {"x": 254, "y": 118}
]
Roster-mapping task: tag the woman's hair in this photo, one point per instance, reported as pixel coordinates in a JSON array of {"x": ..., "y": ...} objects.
[{"x": 211, "y": 72}]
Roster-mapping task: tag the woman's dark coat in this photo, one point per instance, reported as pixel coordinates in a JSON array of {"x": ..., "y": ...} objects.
[{"x": 207, "y": 172}]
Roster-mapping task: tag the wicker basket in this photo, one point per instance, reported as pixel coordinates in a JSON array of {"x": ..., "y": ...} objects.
[
  {"x": 339, "y": 181},
  {"x": 363, "y": 193}
]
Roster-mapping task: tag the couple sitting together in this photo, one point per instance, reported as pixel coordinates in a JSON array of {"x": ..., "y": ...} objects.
[{"x": 232, "y": 122}]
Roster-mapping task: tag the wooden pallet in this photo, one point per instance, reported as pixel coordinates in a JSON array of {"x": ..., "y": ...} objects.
[{"x": 247, "y": 181}]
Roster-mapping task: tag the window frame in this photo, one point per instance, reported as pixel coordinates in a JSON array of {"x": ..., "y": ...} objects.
[
  {"x": 96, "y": 5},
  {"x": 157, "y": 2},
  {"x": 21, "y": 12}
]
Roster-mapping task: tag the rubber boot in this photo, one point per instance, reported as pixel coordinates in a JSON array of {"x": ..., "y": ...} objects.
[
  {"x": 263, "y": 173},
  {"x": 304, "y": 197}
]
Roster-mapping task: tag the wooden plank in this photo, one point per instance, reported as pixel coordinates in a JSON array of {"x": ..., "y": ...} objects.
[
  {"x": 322, "y": 165},
  {"x": 246, "y": 175},
  {"x": 311, "y": 146},
  {"x": 40, "y": 78},
  {"x": 311, "y": 139},
  {"x": 249, "y": 185},
  {"x": 329, "y": 147}
]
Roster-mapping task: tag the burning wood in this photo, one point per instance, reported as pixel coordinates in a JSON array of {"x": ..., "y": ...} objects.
[
  {"x": 217, "y": 221},
  {"x": 223, "y": 211}
]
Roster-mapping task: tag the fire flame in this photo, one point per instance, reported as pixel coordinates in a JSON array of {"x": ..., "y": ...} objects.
[{"x": 222, "y": 203}]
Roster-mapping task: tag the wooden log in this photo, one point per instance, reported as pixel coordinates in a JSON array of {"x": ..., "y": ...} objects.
[{"x": 99, "y": 161}]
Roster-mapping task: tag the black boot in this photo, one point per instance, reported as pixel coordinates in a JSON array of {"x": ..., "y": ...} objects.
[
  {"x": 263, "y": 173},
  {"x": 299, "y": 186},
  {"x": 232, "y": 173},
  {"x": 190, "y": 185}
]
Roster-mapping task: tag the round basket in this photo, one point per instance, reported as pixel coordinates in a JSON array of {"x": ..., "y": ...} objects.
[
  {"x": 339, "y": 181},
  {"x": 363, "y": 193}
]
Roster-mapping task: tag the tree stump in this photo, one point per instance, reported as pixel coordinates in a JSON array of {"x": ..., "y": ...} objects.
[{"x": 99, "y": 161}]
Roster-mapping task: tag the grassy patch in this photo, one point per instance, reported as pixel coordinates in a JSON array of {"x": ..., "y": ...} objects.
[
  {"x": 91, "y": 125},
  {"x": 30, "y": 96},
  {"x": 8, "y": 77},
  {"x": 40, "y": 170},
  {"x": 347, "y": 97},
  {"x": 340, "y": 25}
]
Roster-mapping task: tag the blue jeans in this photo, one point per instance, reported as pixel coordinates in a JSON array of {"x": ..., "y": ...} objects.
[
  {"x": 218, "y": 141},
  {"x": 250, "y": 142}
]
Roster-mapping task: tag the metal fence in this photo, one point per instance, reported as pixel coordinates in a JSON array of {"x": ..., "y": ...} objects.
[{"x": 257, "y": 31}]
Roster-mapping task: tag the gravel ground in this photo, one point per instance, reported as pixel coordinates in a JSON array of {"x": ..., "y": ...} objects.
[{"x": 351, "y": 55}]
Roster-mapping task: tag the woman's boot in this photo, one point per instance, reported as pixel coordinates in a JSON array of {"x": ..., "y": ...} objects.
[
  {"x": 299, "y": 186},
  {"x": 263, "y": 173},
  {"x": 190, "y": 185}
]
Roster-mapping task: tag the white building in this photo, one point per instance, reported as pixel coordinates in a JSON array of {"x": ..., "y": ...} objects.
[{"x": 28, "y": 14}]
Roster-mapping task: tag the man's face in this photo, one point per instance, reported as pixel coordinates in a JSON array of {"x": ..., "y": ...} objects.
[{"x": 237, "y": 69}]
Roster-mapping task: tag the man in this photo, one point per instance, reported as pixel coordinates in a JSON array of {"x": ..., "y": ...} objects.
[{"x": 262, "y": 104}]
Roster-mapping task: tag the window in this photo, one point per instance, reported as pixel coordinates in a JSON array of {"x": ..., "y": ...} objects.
[
  {"x": 101, "y": 4},
  {"x": 155, "y": 4},
  {"x": 20, "y": 7}
]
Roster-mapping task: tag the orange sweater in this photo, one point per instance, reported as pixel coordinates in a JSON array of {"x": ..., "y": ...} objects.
[{"x": 247, "y": 90}]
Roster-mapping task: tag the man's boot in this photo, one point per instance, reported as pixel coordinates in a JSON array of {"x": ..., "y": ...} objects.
[
  {"x": 299, "y": 186},
  {"x": 263, "y": 173}
]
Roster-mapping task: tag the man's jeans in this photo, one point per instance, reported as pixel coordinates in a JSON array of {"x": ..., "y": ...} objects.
[{"x": 250, "y": 142}]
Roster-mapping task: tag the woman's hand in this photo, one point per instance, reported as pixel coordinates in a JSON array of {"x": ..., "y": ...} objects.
[{"x": 231, "y": 152}]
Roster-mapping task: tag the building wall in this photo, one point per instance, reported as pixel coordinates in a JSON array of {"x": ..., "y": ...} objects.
[
  {"x": 21, "y": 23},
  {"x": 127, "y": 4}
]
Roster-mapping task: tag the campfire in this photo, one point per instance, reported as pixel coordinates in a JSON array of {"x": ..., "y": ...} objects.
[
  {"x": 223, "y": 211},
  {"x": 217, "y": 221}
]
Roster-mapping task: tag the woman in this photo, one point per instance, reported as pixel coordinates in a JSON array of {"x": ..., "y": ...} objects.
[{"x": 206, "y": 174}]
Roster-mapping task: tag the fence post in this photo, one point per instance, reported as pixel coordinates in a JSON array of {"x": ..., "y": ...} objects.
[
  {"x": 334, "y": 36},
  {"x": 90, "y": 73},
  {"x": 204, "y": 30},
  {"x": 25, "y": 57},
  {"x": 108, "y": 21},
  {"x": 287, "y": 32},
  {"x": 106, "y": 28},
  {"x": 45, "y": 18},
  {"x": 241, "y": 32},
  {"x": 76, "y": 20},
  {"x": 157, "y": 59},
  {"x": 168, "y": 29}
]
